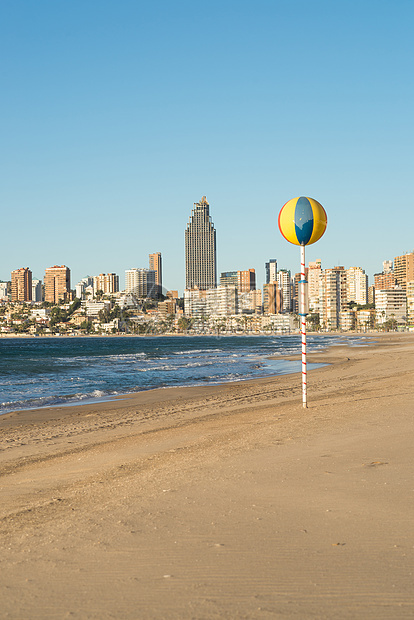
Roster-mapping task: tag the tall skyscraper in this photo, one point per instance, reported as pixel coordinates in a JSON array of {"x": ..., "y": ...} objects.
[
  {"x": 200, "y": 249},
  {"x": 155, "y": 264},
  {"x": 57, "y": 284},
  {"x": 21, "y": 284}
]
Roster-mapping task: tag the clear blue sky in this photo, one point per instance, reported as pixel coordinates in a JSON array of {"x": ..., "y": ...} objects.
[{"x": 116, "y": 116}]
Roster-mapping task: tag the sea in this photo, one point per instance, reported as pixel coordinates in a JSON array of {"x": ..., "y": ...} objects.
[{"x": 44, "y": 372}]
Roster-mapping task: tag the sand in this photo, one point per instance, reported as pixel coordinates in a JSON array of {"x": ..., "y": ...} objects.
[{"x": 218, "y": 502}]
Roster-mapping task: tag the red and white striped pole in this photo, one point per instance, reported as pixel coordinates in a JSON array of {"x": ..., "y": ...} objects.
[{"x": 302, "y": 314}]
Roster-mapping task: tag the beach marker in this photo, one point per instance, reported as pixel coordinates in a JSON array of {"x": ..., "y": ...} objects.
[{"x": 302, "y": 221}]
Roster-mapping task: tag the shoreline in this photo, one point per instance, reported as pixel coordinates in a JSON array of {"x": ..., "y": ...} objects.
[
  {"x": 227, "y": 501},
  {"x": 88, "y": 398}
]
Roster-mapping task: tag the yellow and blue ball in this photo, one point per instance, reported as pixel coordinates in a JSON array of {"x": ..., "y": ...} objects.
[{"x": 302, "y": 220}]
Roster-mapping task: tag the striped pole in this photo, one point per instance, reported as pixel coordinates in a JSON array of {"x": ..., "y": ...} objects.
[{"x": 302, "y": 313}]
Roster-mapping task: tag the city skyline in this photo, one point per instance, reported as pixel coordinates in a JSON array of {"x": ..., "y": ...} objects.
[
  {"x": 261, "y": 279},
  {"x": 100, "y": 166}
]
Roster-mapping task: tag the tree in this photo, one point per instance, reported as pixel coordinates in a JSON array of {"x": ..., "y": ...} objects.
[{"x": 184, "y": 323}]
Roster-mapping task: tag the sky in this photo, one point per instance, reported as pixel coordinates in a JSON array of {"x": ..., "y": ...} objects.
[{"x": 117, "y": 116}]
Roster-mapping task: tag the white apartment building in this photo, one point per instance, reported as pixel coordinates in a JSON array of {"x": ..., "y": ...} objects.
[
  {"x": 332, "y": 297},
  {"x": 37, "y": 292},
  {"x": 284, "y": 323},
  {"x": 92, "y": 308},
  {"x": 356, "y": 285},
  {"x": 195, "y": 302},
  {"x": 314, "y": 272},
  {"x": 390, "y": 304},
  {"x": 222, "y": 301},
  {"x": 80, "y": 288},
  {"x": 250, "y": 302},
  {"x": 284, "y": 283},
  {"x": 271, "y": 270},
  {"x": 3, "y": 291},
  {"x": 141, "y": 282}
]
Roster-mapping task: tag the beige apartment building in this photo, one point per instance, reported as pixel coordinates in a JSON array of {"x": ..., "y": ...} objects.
[
  {"x": 21, "y": 284},
  {"x": 106, "y": 282},
  {"x": 384, "y": 281},
  {"x": 404, "y": 269},
  {"x": 246, "y": 280},
  {"x": 155, "y": 264},
  {"x": 272, "y": 298},
  {"x": 57, "y": 284}
]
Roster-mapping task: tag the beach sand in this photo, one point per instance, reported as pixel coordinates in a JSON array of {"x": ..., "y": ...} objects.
[{"x": 229, "y": 501}]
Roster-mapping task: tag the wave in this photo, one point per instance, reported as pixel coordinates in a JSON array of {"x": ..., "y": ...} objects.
[{"x": 53, "y": 401}]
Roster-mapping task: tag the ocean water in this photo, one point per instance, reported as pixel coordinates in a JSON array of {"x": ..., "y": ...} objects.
[{"x": 40, "y": 372}]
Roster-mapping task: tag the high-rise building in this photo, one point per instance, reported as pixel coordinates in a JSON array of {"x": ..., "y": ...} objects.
[
  {"x": 155, "y": 263},
  {"x": 314, "y": 272},
  {"x": 106, "y": 282},
  {"x": 222, "y": 301},
  {"x": 356, "y": 285},
  {"x": 391, "y": 304},
  {"x": 228, "y": 278},
  {"x": 272, "y": 298},
  {"x": 271, "y": 270},
  {"x": 285, "y": 286},
  {"x": 332, "y": 297},
  {"x": 21, "y": 284},
  {"x": 141, "y": 282},
  {"x": 404, "y": 269},
  {"x": 37, "y": 292},
  {"x": 57, "y": 284},
  {"x": 200, "y": 249},
  {"x": 246, "y": 280},
  {"x": 4, "y": 292},
  {"x": 384, "y": 280}
]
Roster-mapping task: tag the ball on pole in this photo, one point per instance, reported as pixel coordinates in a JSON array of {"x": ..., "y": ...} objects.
[{"x": 302, "y": 221}]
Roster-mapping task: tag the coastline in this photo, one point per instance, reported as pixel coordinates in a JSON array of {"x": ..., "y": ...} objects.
[
  {"x": 225, "y": 501},
  {"x": 269, "y": 363}
]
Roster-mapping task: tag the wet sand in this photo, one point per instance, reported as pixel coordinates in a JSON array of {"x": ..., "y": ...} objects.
[{"x": 229, "y": 501}]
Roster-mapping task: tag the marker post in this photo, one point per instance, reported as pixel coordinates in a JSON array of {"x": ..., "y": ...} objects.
[
  {"x": 302, "y": 221},
  {"x": 303, "y": 311}
]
